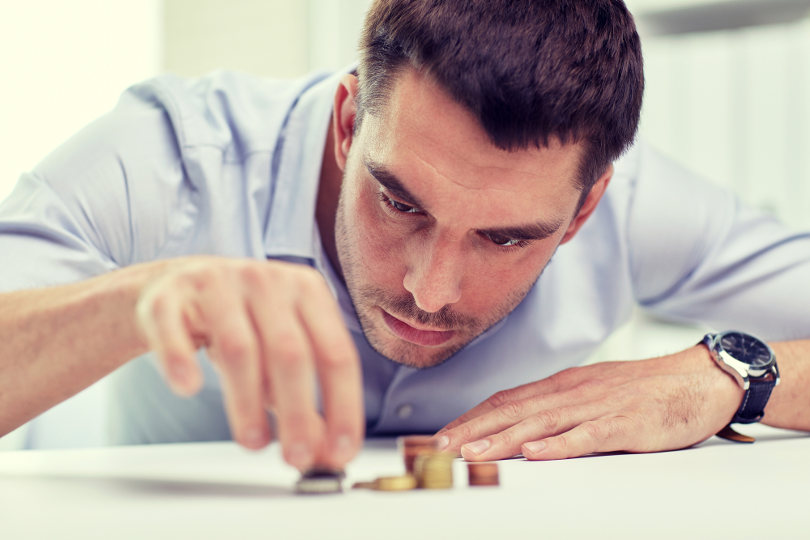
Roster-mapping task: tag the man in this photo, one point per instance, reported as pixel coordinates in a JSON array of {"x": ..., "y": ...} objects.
[{"x": 303, "y": 235}]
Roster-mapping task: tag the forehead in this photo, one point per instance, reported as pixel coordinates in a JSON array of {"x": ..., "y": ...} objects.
[{"x": 424, "y": 136}]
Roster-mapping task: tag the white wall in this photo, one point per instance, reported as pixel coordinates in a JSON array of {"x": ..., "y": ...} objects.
[
  {"x": 335, "y": 27},
  {"x": 64, "y": 64},
  {"x": 278, "y": 38},
  {"x": 735, "y": 106},
  {"x": 264, "y": 37}
]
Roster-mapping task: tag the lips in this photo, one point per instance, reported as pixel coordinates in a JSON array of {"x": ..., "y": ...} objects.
[{"x": 425, "y": 338}]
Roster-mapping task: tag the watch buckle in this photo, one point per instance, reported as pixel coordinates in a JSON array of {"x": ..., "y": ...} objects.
[{"x": 730, "y": 434}]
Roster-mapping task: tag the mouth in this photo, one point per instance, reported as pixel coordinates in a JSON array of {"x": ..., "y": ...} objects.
[{"x": 417, "y": 336}]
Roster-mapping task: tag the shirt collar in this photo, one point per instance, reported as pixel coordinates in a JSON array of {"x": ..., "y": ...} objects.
[{"x": 290, "y": 230}]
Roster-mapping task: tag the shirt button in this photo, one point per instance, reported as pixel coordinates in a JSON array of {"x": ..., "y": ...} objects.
[{"x": 405, "y": 411}]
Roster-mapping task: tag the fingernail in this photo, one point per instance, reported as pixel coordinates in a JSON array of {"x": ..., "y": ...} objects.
[
  {"x": 478, "y": 447},
  {"x": 255, "y": 438},
  {"x": 443, "y": 442},
  {"x": 535, "y": 447},
  {"x": 181, "y": 386},
  {"x": 180, "y": 375},
  {"x": 298, "y": 455},
  {"x": 343, "y": 446}
]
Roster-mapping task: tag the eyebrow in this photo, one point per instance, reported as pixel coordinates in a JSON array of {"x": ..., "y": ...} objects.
[
  {"x": 530, "y": 231},
  {"x": 390, "y": 182}
]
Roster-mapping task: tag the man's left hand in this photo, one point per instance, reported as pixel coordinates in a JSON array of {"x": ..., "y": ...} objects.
[{"x": 651, "y": 405}]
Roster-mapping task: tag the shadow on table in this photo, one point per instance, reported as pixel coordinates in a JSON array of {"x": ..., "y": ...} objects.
[
  {"x": 761, "y": 438},
  {"x": 780, "y": 435},
  {"x": 152, "y": 487}
]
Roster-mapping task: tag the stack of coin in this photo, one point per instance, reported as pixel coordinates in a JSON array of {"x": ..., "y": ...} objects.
[
  {"x": 410, "y": 446},
  {"x": 425, "y": 467},
  {"x": 320, "y": 480},
  {"x": 483, "y": 474},
  {"x": 434, "y": 470}
]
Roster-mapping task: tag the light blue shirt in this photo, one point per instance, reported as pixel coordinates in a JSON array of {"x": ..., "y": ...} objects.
[{"x": 229, "y": 164}]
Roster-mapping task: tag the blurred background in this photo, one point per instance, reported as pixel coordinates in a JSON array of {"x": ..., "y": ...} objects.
[{"x": 728, "y": 94}]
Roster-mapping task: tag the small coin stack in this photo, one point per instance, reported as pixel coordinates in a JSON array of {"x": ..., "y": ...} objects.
[
  {"x": 483, "y": 474},
  {"x": 320, "y": 481}
]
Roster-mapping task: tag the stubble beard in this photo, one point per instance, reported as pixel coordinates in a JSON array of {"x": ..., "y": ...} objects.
[{"x": 368, "y": 299}]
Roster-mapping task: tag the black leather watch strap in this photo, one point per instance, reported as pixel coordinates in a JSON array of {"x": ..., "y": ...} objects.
[{"x": 752, "y": 408}]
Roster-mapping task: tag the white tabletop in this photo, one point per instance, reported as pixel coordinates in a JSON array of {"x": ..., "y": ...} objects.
[{"x": 218, "y": 490}]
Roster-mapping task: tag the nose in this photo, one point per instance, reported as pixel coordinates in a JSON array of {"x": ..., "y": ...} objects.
[{"x": 434, "y": 274}]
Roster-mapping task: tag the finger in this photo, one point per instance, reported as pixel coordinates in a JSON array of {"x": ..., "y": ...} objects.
[
  {"x": 339, "y": 375},
  {"x": 542, "y": 387},
  {"x": 259, "y": 331},
  {"x": 291, "y": 373},
  {"x": 538, "y": 425},
  {"x": 162, "y": 319},
  {"x": 235, "y": 352},
  {"x": 543, "y": 409},
  {"x": 268, "y": 397},
  {"x": 602, "y": 435}
]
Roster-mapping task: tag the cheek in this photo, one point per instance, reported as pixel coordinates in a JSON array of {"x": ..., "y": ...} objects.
[
  {"x": 494, "y": 279},
  {"x": 377, "y": 246}
]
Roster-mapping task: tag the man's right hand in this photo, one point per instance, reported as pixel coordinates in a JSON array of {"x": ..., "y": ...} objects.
[{"x": 273, "y": 330}]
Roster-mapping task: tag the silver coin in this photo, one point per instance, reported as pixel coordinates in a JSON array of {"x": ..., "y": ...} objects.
[{"x": 319, "y": 480}]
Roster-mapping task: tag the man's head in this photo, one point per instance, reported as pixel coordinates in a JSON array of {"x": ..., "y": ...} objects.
[
  {"x": 477, "y": 138},
  {"x": 528, "y": 70}
]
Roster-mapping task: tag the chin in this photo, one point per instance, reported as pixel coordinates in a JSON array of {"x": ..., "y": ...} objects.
[{"x": 408, "y": 354}]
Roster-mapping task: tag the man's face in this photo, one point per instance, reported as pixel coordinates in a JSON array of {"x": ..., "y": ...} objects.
[{"x": 439, "y": 233}]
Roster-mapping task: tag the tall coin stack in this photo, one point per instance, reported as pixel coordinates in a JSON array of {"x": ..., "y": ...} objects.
[
  {"x": 434, "y": 470},
  {"x": 411, "y": 446}
]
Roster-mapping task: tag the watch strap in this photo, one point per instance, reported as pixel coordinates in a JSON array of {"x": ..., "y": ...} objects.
[
  {"x": 729, "y": 434},
  {"x": 752, "y": 408}
]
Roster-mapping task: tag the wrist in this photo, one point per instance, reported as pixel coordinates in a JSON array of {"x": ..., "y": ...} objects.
[
  {"x": 724, "y": 391},
  {"x": 114, "y": 297}
]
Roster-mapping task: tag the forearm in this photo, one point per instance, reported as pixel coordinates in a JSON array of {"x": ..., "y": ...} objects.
[
  {"x": 59, "y": 340},
  {"x": 789, "y": 405}
]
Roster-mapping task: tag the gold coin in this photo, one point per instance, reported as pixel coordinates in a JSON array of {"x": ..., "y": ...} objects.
[
  {"x": 395, "y": 483},
  {"x": 364, "y": 485}
]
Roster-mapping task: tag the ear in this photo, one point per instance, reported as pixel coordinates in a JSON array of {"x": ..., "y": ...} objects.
[
  {"x": 343, "y": 115},
  {"x": 591, "y": 200}
]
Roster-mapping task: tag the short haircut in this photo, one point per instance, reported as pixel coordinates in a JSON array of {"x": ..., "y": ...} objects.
[{"x": 529, "y": 70}]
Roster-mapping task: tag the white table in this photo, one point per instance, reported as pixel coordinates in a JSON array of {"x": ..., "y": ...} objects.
[{"x": 218, "y": 490}]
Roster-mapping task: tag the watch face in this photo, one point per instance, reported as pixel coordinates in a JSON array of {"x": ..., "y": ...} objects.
[{"x": 747, "y": 349}]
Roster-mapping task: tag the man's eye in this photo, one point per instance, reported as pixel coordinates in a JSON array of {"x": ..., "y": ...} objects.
[
  {"x": 398, "y": 206},
  {"x": 505, "y": 241}
]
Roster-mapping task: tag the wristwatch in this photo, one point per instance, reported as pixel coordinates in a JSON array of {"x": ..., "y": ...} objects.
[{"x": 752, "y": 364}]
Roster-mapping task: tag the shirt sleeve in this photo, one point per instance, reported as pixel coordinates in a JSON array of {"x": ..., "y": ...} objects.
[
  {"x": 112, "y": 195},
  {"x": 698, "y": 254}
]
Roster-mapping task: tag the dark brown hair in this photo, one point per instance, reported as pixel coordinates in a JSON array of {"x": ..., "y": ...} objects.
[{"x": 529, "y": 70}]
